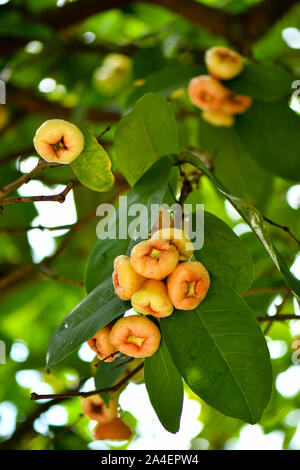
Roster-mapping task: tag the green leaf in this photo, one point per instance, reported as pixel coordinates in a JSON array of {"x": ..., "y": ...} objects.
[
  {"x": 93, "y": 166},
  {"x": 144, "y": 135},
  {"x": 96, "y": 310},
  {"x": 270, "y": 131},
  {"x": 107, "y": 374},
  {"x": 236, "y": 168},
  {"x": 225, "y": 255},
  {"x": 262, "y": 82},
  {"x": 164, "y": 387},
  {"x": 150, "y": 189},
  {"x": 165, "y": 81},
  {"x": 221, "y": 353},
  {"x": 253, "y": 218}
]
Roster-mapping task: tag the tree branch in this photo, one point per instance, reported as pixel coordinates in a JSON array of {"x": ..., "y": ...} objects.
[
  {"x": 241, "y": 30},
  {"x": 22, "y": 271},
  {"x": 114, "y": 388},
  {"x": 68, "y": 44},
  {"x": 283, "y": 227},
  {"x": 25, "y": 178},
  {"x": 278, "y": 317},
  {"x": 278, "y": 310},
  {"x": 57, "y": 277},
  {"x": 16, "y": 275},
  {"x": 23, "y": 199},
  {"x": 27, "y": 425},
  {"x": 16, "y": 230},
  {"x": 76, "y": 12},
  {"x": 44, "y": 264}
]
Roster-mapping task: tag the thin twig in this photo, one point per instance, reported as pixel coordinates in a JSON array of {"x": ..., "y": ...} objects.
[
  {"x": 21, "y": 272},
  {"x": 123, "y": 363},
  {"x": 25, "y": 270},
  {"x": 68, "y": 237},
  {"x": 17, "y": 274},
  {"x": 278, "y": 317},
  {"x": 278, "y": 310},
  {"x": 9, "y": 188},
  {"x": 13, "y": 230},
  {"x": 107, "y": 129},
  {"x": 56, "y": 277},
  {"x": 114, "y": 388},
  {"x": 283, "y": 227},
  {"x": 107, "y": 357},
  {"x": 56, "y": 197}
]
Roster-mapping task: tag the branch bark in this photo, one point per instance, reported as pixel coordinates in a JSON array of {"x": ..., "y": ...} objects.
[
  {"x": 284, "y": 228},
  {"x": 241, "y": 30},
  {"x": 27, "y": 425},
  {"x": 16, "y": 230},
  {"x": 23, "y": 199},
  {"x": 278, "y": 317},
  {"x": 9, "y": 188},
  {"x": 114, "y": 388},
  {"x": 23, "y": 271},
  {"x": 57, "y": 277},
  {"x": 74, "y": 12}
]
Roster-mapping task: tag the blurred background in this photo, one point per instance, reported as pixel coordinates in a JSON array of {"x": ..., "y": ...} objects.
[{"x": 86, "y": 61}]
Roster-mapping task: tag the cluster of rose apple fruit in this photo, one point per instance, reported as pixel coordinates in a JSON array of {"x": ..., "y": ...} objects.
[
  {"x": 157, "y": 277},
  {"x": 219, "y": 104}
]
